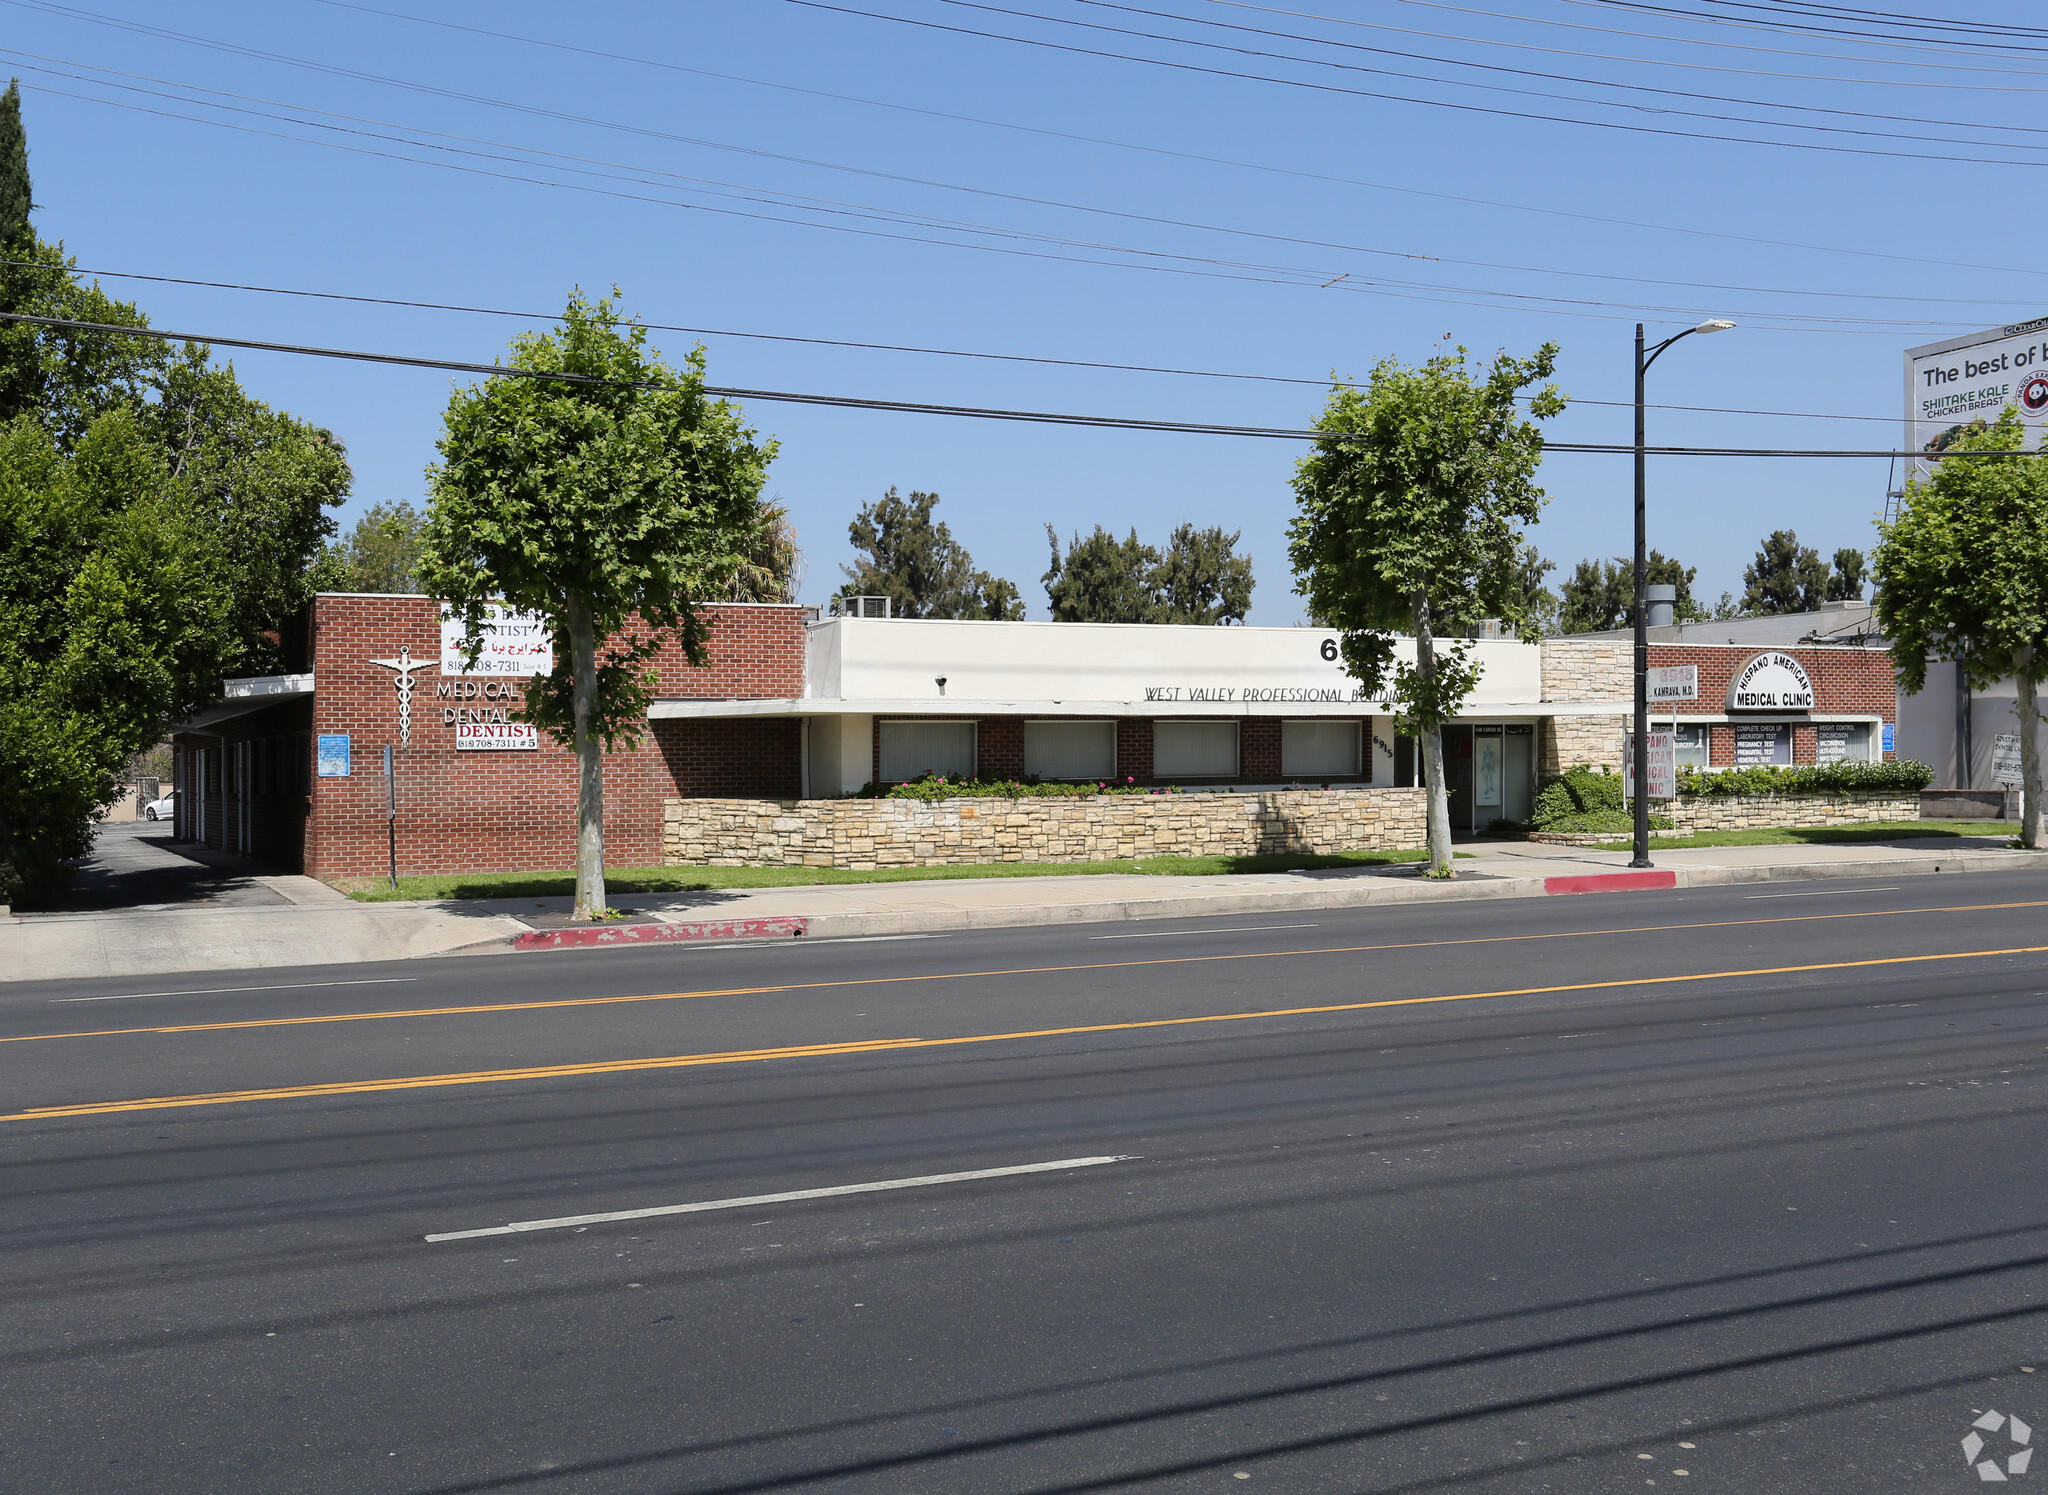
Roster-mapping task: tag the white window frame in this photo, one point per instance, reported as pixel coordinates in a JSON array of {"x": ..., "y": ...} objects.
[{"x": 1873, "y": 741}]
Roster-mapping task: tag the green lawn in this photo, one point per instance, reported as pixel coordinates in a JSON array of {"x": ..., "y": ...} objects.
[
  {"x": 707, "y": 879},
  {"x": 1824, "y": 835}
]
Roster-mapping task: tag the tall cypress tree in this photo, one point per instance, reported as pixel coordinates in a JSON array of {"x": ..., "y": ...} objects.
[{"x": 14, "y": 185}]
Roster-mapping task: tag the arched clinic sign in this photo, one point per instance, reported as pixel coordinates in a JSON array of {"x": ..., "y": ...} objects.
[{"x": 1771, "y": 681}]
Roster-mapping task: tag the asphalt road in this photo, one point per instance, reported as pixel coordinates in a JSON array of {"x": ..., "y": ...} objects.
[{"x": 1713, "y": 1190}]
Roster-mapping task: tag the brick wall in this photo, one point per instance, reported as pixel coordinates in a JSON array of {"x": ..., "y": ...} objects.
[
  {"x": 1846, "y": 682},
  {"x": 480, "y": 811},
  {"x": 1134, "y": 748}
]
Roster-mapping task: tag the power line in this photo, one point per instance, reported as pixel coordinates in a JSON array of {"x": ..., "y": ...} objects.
[
  {"x": 832, "y": 342},
  {"x": 811, "y": 204},
  {"x": 1151, "y": 260},
  {"x": 1492, "y": 67},
  {"x": 1178, "y": 155},
  {"x": 1811, "y": 29},
  {"x": 76, "y": 12},
  {"x": 1707, "y": 20},
  {"x": 1663, "y": 62},
  {"x": 914, "y": 407},
  {"x": 1363, "y": 93}
]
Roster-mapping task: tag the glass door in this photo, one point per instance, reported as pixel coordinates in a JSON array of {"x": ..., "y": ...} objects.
[
  {"x": 1487, "y": 775},
  {"x": 1458, "y": 777},
  {"x": 1518, "y": 772}
]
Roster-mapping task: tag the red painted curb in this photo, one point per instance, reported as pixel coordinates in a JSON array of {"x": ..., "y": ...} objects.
[
  {"x": 658, "y": 934},
  {"x": 1611, "y": 882}
]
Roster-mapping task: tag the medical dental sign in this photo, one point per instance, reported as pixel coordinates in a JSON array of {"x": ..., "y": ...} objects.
[
  {"x": 514, "y": 644},
  {"x": 1956, "y": 385},
  {"x": 1771, "y": 681}
]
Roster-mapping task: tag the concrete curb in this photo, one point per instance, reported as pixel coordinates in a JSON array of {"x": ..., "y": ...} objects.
[
  {"x": 657, "y": 934},
  {"x": 1360, "y": 894}
]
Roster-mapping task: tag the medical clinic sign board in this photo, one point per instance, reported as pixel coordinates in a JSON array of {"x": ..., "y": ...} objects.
[
  {"x": 1952, "y": 385},
  {"x": 515, "y": 646},
  {"x": 1770, "y": 681}
]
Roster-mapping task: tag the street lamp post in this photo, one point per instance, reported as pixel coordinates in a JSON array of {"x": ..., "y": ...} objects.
[{"x": 1641, "y": 787}]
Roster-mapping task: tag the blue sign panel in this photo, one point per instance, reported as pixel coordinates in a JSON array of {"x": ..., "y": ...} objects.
[
  {"x": 1888, "y": 737},
  {"x": 333, "y": 756}
]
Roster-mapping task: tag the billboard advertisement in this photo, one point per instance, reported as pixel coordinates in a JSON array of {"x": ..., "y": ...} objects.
[{"x": 1953, "y": 385}]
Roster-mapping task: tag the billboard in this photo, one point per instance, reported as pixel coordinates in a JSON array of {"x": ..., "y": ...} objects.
[{"x": 1953, "y": 385}]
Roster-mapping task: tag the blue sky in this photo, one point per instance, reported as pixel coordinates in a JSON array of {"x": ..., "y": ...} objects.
[{"x": 728, "y": 202}]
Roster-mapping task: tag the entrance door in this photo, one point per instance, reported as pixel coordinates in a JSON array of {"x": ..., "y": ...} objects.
[
  {"x": 1487, "y": 775},
  {"x": 1458, "y": 777},
  {"x": 1518, "y": 771}
]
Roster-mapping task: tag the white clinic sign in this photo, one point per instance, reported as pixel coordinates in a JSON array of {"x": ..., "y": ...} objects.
[
  {"x": 514, "y": 644},
  {"x": 1953, "y": 384},
  {"x": 1663, "y": 766},
  {"x": 1771, "y": 681},
  {"x": 1674, "y": 682}
]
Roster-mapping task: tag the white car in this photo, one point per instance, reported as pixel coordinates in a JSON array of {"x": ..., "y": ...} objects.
[{"x": 161, "y": 809}]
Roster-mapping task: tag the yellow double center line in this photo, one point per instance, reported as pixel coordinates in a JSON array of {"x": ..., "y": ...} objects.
[
  {"x": 478, "y": 1009},
  {"x": 880, "y": 1045}
]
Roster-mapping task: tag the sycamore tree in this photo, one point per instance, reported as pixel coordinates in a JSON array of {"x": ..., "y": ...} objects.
[
  {"x": 1962, "y": 575},
  {"x": 1408, "y": 522},
  {"x": 156, "y": 525},
  {"x": 610, "y": 495}
]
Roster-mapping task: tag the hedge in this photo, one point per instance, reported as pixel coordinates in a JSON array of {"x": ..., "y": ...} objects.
[
  {"x": 1903, "y": 777},
  {"x": 933, "y": 787},
  {"x": 1588, "y": 799},
  {"x": 1585, "y": 800}
]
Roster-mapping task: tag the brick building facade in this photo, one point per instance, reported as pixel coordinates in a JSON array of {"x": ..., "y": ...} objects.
[
  {"x": 247, "y": 781},
  {"x": 1852, "y": 687},
  {"x": 791, "y": 706}
]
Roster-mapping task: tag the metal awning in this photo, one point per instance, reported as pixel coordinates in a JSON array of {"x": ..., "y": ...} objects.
[{"x": 674, "y": 709}]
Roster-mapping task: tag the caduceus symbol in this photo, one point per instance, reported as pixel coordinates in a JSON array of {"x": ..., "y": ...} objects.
[{"x": 402, "y": 668}]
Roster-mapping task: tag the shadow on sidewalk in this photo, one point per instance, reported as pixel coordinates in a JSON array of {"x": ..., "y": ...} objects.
[{"x": 141, "y": 865}]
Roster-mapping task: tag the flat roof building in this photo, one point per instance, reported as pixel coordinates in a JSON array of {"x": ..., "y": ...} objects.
[{"x": 790, "y": 707}]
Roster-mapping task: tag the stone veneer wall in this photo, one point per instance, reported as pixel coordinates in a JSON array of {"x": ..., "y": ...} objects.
[
  {"x": 1744, "y": 812},
  {"x": 1752, "y": 812},
  {"x": 863, "y": 833},
  {"x": 1592, "y": 670}
]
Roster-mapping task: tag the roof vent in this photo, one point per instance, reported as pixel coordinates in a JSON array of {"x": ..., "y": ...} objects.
[{"x": 860, "y": 607}]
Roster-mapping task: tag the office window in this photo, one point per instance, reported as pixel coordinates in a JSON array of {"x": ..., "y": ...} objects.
[
  {"x": 1842, "y": 742},
  {"x": 1070, "y": 750},
  {"x": 1693, "y": 746},
  {"x": 1319, "y": 750},
  {"x": 1755, "y": 746},
  {"x": 1194, "y": 750},
  {"x": 912, "y": 749}
]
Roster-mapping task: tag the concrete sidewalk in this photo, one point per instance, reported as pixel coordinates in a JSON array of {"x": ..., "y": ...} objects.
[
  {"x": 309, "y": 923},
  {"x": 1484, "y": 870}
]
